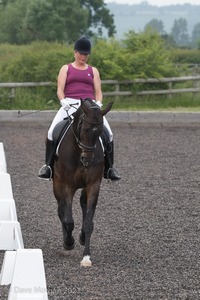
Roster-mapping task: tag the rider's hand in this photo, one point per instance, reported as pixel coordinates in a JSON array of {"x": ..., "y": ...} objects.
[
  {"x": 99, "y": 103},
  {"x": 65, "y": 104}
]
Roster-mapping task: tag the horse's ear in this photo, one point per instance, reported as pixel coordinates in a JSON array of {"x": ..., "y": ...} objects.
[
  {"x": 83, "y": 106},
  {"x": 107, "y": 109}
]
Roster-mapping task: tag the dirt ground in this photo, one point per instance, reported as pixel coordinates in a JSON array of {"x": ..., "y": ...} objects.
[{"x": 146, "y": 239}]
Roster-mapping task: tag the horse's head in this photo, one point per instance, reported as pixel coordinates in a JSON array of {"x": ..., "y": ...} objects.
[
  {"x": 90, "y": 127},
  {"x": 87, "y": 103}
]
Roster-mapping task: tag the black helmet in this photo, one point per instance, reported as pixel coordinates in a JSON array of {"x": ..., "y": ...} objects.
[{"x": 83, "y": 45}]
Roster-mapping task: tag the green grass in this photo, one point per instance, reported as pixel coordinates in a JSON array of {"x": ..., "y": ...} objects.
[
  {"x": 183, "y": 102},
  {"x": 40, "y": 98},
  {"x": 45, "y": 99}
]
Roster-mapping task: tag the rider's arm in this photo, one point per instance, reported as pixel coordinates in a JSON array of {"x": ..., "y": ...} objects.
[
  {"x": 62, "y": 76},
  {"x": 97, "y": 85}
]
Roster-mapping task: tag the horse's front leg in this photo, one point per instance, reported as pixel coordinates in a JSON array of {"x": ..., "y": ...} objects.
[
  {"x": 88, "y": 201},
  {"x": 66, "y": 218},
  {"x": 83, "y": 203}
]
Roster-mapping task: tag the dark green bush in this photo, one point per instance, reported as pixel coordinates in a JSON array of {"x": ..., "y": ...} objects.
[{"x": 185, "y": 56}]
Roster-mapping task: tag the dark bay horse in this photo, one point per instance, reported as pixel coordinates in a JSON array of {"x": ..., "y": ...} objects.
[{"x": 80, "y": 165}]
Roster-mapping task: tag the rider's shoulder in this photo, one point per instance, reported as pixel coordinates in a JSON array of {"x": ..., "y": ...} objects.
[
  {"x": 63, "y": 69},
  {"x": 95, "y": 71},
  {"x": 65, "y": 66}
]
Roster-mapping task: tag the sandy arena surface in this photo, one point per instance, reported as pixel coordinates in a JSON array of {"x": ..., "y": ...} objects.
[{"x": 146, "y": 239}]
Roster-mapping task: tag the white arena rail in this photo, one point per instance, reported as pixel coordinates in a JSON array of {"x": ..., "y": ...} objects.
[
  {"x": 3, "y": 166},
  {"x": 22, "y": 268}
]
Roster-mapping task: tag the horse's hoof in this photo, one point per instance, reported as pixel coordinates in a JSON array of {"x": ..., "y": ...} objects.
[
  {"x": 80, "y": 240},
  {"x": 86, "y": 262},
  {"x": 70, "y": 246}
]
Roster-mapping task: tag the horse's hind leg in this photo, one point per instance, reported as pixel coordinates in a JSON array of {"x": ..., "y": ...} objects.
[{"x": 65, "y": 215}]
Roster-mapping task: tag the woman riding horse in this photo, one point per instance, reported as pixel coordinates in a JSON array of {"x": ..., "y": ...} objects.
[
  {"x": 79, "y": 164},
  {"x": 75, "y": 81}
]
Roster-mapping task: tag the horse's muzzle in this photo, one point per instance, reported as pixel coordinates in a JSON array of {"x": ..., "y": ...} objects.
[{"x": 86, "y": 158}]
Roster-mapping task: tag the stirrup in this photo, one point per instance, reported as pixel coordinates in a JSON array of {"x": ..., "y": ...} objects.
[
  {"x": 45, "y": 173},
  {"x": 112, "y": 174}
]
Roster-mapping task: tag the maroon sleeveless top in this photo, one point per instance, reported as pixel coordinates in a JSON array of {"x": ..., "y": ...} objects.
[{"x": 79, "y": 83}]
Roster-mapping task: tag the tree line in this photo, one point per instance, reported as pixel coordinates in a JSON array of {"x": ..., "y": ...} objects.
[
  {"x": 42, "y": 35},
  {"x": 24, "y": 21},
  {"x": 179, "y": 36}
]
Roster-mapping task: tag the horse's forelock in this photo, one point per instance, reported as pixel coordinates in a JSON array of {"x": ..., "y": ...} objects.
[{"x": 88, "y": 102}]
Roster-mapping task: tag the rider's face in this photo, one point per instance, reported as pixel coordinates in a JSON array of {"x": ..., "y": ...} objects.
[{"x": 81, "y": 57}]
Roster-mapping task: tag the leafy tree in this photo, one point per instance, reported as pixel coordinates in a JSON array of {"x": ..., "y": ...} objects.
[
  {"x": 179, "y": 32},
  {"x": 51, "y": 21},
  {"x": 168, "y": 41},
  {"x": 23, "y": 21},
  {"x": 147, "y": 55},
  {"x": 195, "y": 39},
  {"x": 11, "y": 22},
  {"x": 99, "y": 16},
  {"x": 5, "y": 2},
  {"x": 156, "y": 25},
  {"x": 111, "y": 59}
]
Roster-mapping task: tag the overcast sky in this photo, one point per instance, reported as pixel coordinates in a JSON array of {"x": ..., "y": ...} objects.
[{"x": 156, "y": 2}]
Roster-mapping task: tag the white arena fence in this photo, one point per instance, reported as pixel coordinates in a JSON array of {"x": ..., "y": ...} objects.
[{"x": 22, "y": 268}]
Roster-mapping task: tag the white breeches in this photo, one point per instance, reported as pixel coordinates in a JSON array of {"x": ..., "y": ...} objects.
[{"x": 61, "y": 114}]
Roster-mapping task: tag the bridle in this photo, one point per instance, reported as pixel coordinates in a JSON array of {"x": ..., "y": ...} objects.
[{"x": 85, "y": 148}]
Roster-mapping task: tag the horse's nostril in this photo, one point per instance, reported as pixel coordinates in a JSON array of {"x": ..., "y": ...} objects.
[
  {"x": 86, "y": 159},
  {"x": 83, "y": 157}
]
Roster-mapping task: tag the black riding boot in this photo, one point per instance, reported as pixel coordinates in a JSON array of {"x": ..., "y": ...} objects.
[
  {"x": 110, "y": 171},
  {"x": 46, "y": 171}
]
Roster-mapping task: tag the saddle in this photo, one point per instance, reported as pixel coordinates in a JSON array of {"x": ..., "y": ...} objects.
[
  {"x": 59, "y": 132},
  {"x": 62, "y": 127}
]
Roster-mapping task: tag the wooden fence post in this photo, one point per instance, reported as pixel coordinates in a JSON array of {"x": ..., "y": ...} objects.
[
  {"x": 170, "y": 88},
  {"x": 117, "y": 90}
]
